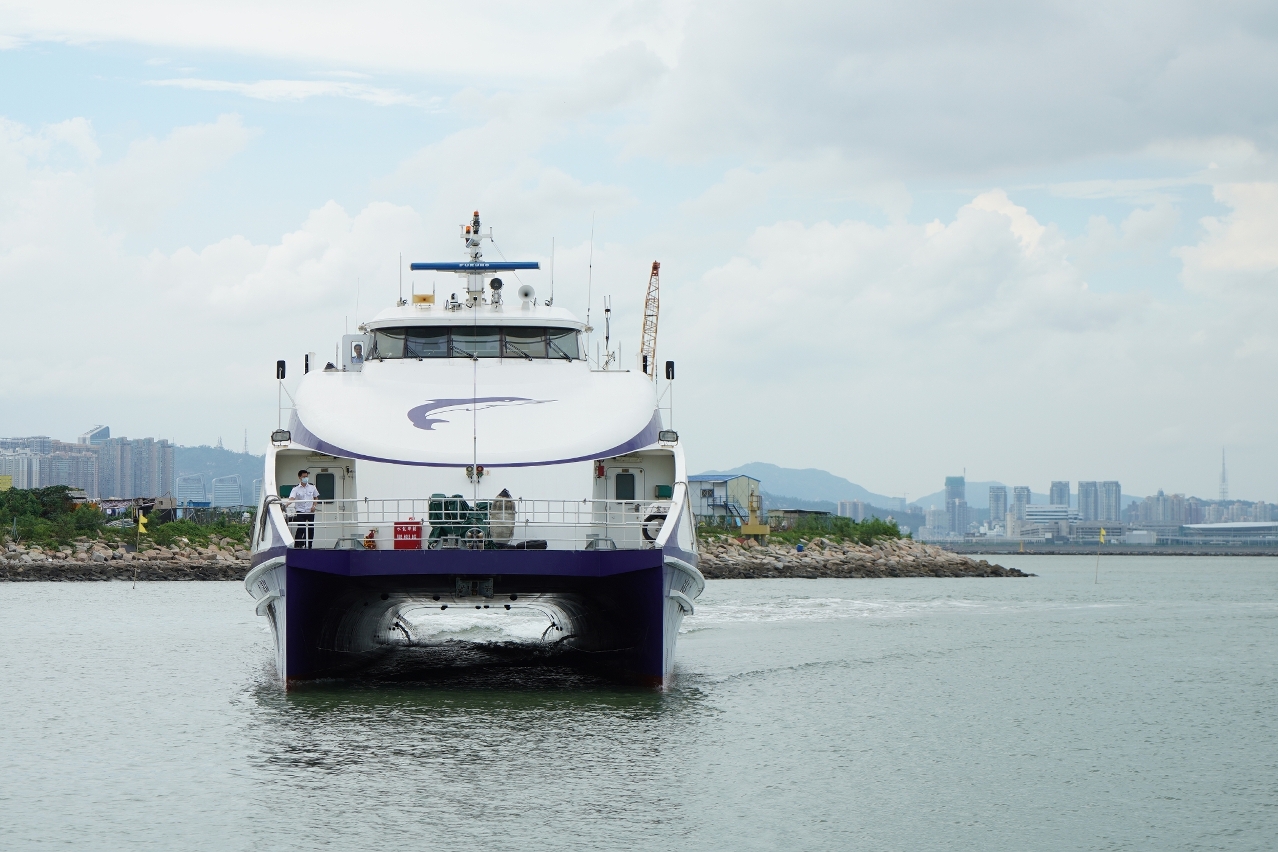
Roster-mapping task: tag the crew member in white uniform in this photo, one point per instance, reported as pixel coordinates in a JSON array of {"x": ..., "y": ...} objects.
[{"x": 302, "y": 498}]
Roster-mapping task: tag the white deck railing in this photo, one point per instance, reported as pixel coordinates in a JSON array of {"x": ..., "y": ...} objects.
[{"x": 496, "y": 524}]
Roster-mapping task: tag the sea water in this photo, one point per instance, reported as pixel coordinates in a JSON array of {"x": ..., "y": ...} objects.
[{"x": 1052, "y": 712}]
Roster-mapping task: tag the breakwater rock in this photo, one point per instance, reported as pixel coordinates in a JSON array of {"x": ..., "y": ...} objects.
[
  {"x": 99, "y": 561},
  {"x": 726, "y": 558}
]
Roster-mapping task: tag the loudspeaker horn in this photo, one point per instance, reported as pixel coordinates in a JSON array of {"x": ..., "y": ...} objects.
[{"x": 527, "y": 293}]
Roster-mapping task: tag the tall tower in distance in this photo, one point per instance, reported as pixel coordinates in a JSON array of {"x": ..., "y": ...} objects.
[
  {"x": 1059, "y": 494},
  {"x": 1224, "y": 477},
  {"x": 1089, "y": 501},
  {"x": 998, "y": 503}
]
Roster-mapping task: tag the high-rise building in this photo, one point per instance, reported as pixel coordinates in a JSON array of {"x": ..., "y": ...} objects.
[
  {"x": 190, "y": 488},
  {"x": 958, "y": 515},
  {"x": 1089, "y": 501},
  {"x": 141, "y": 468},
  {"x": 38, "y": 444},
  {"x": 1059, "y": 494},
  {"x": 955, "y": 488},
  {"x": 95, "y": 436},
  {"x": 854, "y": 509},
  {"x": 77, "y": 470},
  {"x": 23, "y": 466},
  {"x": 115, "y": 468},
  {"x": 1224, "y": 478},
  {"x": 226, "y": 491},
  {"x": 1164, "y": 510},
  {"x": 1020, "y": 499},
  {"x": 1111, "y": 502},
  {"x": 257, "y": 492},
  {"x": 96, "y": 463},
  {"x": 998, "y": 503}
]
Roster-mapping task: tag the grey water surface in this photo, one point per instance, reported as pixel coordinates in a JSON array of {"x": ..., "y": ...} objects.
[{"x": 1043, "y": 713}]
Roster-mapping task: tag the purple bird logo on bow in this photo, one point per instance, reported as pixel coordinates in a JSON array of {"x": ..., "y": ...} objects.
[{"x": 423, "y": 415}]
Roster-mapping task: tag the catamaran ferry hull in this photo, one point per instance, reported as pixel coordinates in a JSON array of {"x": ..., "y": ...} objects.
[{"x": 335, "y": 612}]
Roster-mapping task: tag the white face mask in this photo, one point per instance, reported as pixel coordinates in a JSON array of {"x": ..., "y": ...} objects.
[{"x": 306, "y": 480}]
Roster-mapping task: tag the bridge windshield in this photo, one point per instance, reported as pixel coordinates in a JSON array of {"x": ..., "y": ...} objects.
[{"x": 478, "y": 341}]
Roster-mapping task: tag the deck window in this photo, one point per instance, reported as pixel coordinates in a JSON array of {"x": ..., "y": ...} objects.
[
  {"x": 526, "y": 343},
  {"x": 480, "y": 341},
  {"x": 388, "y": 343},
  {"x": 437, "y": 341},
  {"x": 426, "y": 342},
  {"x": 563, "y": 343}
]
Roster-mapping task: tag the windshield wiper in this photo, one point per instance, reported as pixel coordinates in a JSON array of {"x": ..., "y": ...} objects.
[
  {"x": 555, "y": 345},
  {"x": 510, "y": 345},
  {"x": 471, "y": 355}
]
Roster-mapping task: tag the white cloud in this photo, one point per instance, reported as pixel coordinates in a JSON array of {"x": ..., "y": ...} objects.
[
  {"x": 824, "y": 174},
  {"x": 869, "y": 350},
  {"x": 155, "y": 174},
  {"x": 495, "y": 166},
  {"x": 976, "y": 337},
  {"x": 847, "y": 345},
  {"x": 1239, "y": 250},
  {"x": 499, "y": 39},
  {"x": 134, "y": 328},
  {"x": 295, "y": 90}
]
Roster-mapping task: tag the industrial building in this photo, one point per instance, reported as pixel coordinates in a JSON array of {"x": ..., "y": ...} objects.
[{"x": 723, "y": 500}]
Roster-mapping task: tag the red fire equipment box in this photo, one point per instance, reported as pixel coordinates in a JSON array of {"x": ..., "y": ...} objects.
[{"x": 408, "y": 535}]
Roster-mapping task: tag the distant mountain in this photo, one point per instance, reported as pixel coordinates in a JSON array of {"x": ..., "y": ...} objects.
[
  {"x": 773, "y": 501},
  {"x": 808, "y": 484},
  {"x": 215, "y": 462}
]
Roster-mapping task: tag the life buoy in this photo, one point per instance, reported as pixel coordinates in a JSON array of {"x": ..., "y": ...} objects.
[{"x": 655, "y": 516}]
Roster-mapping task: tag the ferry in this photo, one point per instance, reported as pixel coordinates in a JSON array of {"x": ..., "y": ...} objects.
[{"x": 467, "y": 453}]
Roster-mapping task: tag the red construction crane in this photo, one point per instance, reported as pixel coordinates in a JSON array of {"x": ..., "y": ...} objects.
[{"x": 648, "y": 339}]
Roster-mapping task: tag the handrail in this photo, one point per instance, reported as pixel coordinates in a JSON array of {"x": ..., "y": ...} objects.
[
  {"x": 442, "y": 522},
  {"x": 678, "y": 504},
  {"x": 280, "y": 522}
]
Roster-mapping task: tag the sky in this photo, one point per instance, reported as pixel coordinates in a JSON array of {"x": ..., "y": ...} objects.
[{"x": 898, "y": 241}]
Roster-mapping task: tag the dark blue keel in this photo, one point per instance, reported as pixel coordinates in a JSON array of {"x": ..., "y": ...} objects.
[{"x": 342, "y": 606}]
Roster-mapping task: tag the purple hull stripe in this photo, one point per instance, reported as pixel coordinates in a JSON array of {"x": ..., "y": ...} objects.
[
  {"x": 306, "y": 438},
  {"x": 509, "y": 563},
  {"x": 263, "y": 555}
]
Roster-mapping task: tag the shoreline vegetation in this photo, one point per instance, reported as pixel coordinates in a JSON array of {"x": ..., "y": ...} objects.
[{"x": 46, "y": 536}]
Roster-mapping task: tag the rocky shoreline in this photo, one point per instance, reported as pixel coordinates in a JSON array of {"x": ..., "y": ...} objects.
[
  {"x": 722, "y": 558},
  {"x": 732, "y": 559},
  {"x": 98, "y": 560}
]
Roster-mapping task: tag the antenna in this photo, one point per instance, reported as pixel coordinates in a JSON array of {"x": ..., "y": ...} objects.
[
  {"x": 401, "y": 279},
  {"x": 357, "y": 303},
  {"x": 1224, "y": 477},
  {"x": 590, "y": 269},
  {"x": 610, "y": 356},
  {"x": 551, "y": 300}
]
